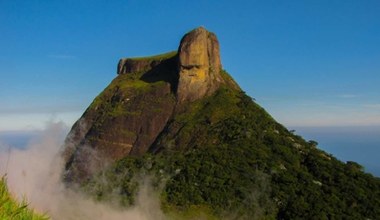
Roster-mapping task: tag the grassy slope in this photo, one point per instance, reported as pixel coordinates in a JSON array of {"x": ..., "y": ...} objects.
[{"x": 13, "y": 210}]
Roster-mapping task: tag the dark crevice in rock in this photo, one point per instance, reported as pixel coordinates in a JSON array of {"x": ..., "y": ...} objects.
[{"x": 165, "y": 71}]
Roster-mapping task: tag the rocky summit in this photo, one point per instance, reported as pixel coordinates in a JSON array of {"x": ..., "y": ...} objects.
[
  {"x": 129, "y": 115},
  {"x": 199, "y": 65},
  {"x": 210, "y": 151}
]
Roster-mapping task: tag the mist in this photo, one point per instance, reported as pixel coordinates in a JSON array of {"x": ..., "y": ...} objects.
[{"x": 34, "y": 173}]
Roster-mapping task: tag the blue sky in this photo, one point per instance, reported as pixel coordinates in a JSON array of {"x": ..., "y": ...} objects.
[{"x": 309, "y": 63}]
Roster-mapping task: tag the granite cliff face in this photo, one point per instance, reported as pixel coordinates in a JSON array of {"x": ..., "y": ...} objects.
[
  {"x": 131, "y": 113},
  {"x": 199, "y": 65}
]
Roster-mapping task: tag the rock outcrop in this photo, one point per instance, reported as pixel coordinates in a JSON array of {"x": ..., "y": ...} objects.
[
  {"x": 141, "y": 64},
  {"x": 128, "y": 65},
  {"x": 199, "y": 65}
]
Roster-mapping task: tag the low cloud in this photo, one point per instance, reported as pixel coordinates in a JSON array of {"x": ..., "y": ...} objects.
[
  {"x": 35, "y": 174},
  {"x": 34, "y": 121}
]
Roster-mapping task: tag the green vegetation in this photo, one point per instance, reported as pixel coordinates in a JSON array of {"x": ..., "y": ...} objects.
[
  {"x": 10, "y": 209},
  {"x": 124, "y": 87},
  {"x": 113, "y": 101},
  {"x": 164, "y": 56},
  {"x": 225, "y": 157}
]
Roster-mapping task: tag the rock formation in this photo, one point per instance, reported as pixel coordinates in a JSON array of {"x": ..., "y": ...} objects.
[
  {"x": 199, "y": 65},
  {"x": 129, "y": 115},
  {"x": 142, "y": 64}
]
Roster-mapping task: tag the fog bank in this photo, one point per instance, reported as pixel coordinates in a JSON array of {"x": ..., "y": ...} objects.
[{"x": 34, "y": 173}]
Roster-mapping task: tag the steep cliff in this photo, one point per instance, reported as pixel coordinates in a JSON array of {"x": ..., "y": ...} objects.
[{"x": 199, "y": 65}]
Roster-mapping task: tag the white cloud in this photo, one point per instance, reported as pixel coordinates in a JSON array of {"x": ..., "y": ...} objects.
[{"x": 35, "y": 121}]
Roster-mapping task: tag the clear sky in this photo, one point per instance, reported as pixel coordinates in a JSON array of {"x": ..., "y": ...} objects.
[{"x": 309, "y": 63}]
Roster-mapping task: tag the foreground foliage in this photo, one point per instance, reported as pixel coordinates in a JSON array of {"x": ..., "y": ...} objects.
[{"x": 13, "y": 210}]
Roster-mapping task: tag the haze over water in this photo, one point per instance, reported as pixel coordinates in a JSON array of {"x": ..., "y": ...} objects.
[{"x": 359, "y": 144}]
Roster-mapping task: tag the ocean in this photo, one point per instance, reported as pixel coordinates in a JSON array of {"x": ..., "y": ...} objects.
[
  {"x": 17, "y": 139},
  {"x": 352, "y": 143}
]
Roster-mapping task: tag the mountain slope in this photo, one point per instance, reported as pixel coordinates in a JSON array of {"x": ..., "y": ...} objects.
[{"x": 208, "y": 147}]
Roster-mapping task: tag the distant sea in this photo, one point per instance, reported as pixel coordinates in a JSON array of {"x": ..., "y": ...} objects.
[
  {"x": 359, "y": 144},
  {"x": 17, "y": 139}
]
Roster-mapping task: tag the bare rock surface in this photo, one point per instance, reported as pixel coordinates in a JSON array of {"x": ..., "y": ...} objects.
[{"x": 199, "y": 65}]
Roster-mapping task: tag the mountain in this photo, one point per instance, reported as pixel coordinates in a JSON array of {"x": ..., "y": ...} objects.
[{"x": 208, "y": 149}]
